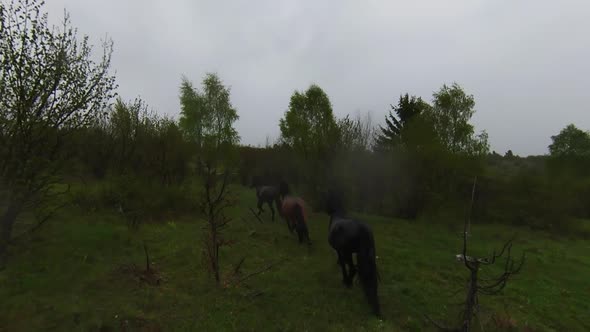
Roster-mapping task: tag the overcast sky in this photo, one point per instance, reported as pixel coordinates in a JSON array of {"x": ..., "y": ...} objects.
[{"x": 526, "y": 62}]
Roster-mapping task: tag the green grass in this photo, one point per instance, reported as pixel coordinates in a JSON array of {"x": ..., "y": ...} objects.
[{"x": 67, "y": 278}]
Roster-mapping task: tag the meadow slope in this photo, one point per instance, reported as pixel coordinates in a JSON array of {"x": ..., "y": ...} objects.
[{"x": 73, "y": 275}]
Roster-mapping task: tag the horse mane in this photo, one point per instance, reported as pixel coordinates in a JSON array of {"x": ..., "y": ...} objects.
[{"x": 334, "y": 204}]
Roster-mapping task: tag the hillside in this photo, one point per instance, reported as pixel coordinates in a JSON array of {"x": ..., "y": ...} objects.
[{"x": 76, "y": 275}]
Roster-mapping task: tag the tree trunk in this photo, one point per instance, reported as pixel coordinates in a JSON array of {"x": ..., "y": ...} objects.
[
  {"x": 6, "y": 222},
  {"x": 470, "y": 301}
]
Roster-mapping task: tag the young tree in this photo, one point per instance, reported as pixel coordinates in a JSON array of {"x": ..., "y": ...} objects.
[
  {"x": 309, "y": 128},
  {"x": 215, "y": 120},
  {"x": 50, "y": 87},
  {"x": 452, "y": 109},
  {"x": 309, "y": 125}
]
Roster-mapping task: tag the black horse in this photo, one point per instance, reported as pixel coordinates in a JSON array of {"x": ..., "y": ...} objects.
[
  {"x": 266, "y": 194},
  {"x": 348, "y": 236}
]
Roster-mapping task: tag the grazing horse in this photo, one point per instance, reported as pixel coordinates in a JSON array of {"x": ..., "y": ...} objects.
[
  {"x": 348, "y": 236},
  {"x": 293, "y": 210},
  {"x": 268, "y": 195}
]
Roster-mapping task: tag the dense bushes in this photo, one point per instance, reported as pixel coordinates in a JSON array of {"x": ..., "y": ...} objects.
[
  {"x": 131, "y": 140},
  {"x": 510, "y": 189},
  {"x": 146, "y": 163},
  {"x": 142, "y": 161}
]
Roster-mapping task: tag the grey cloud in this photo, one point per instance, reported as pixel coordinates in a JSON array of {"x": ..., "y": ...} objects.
[{"x": 524, "y": 61}]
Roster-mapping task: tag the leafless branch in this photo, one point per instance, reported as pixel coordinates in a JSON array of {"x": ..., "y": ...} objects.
[
  {"x": 255, "y": 215},
  {"x": 264, "y": 269},
  {"x": 440, "y": 326},
  {"x": 477, "y": 285},
  {"x": 239, "y": 265}
]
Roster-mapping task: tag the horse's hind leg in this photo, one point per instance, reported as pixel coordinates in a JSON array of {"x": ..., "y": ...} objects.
[
  {"x": 343, "y": 268},
  {"x": 260, "y": 210},
  {"x": 290, "y": 225},
  {"x": 351, "y": 267},
  {"x": 272, "y": 210}
]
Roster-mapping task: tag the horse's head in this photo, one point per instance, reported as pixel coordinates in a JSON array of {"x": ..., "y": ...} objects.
[
  {"x": 256, "y": 181},
  {"x": 284, "y": 189},
  {"x": 334, "y": 202}
]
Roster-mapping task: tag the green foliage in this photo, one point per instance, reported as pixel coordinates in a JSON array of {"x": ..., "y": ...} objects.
[
  {"x": 397, "y": 130},
  {"x": 309, "y": 129},
  {"x": 50, "y": 87},
  {"x": 570, "y": 142},
  {"x": 208, "y": 118},
  {"x": 172, "y": 153},
  {"x": 452, "y": 109},
  {"x": 131, "y": 140},
  {"x": 130, "y": 127},
  {"x": 309, "y": 126},
  {"x": 355, "y": 134},
  {"x": 570, "y": 155},
  {"x": 191, "y": 112},
  {"x": 220, "y": 137}
]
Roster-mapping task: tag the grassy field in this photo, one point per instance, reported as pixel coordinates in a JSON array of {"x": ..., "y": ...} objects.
[{"x": 74, "y": 275}]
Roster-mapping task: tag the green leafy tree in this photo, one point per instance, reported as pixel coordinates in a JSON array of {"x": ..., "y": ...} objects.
[
  {"x": 397, "y": 122},
  {"x": 191, "y": 112},
  {"x": 219, "y": 135},
  {"x": 309, "y": 125},
  {"x": 50, "y": 86},
  {"x": 451, "y": 112},
  {"x": 570, "y": 142},
  {"x": 209, "y": 116},
  {"x": 310, "y": 129}
]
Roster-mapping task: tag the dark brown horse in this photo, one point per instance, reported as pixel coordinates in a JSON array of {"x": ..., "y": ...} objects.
[
  {"x": 293, "y": 210},
  {"x": 268, "y": 195}
]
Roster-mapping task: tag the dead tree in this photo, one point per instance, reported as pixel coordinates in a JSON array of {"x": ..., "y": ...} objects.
[
  {"x": 477, "y": 285},
  {"x": 216, "y": 200}
]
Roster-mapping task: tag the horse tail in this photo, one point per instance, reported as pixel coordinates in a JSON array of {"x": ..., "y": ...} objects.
[
  {"x": 301, "y": 225},
  {"x": 367, "y": 269}
]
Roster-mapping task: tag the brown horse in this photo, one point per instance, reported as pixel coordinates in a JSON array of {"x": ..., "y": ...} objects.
[{"x": 293, "y": 210}]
